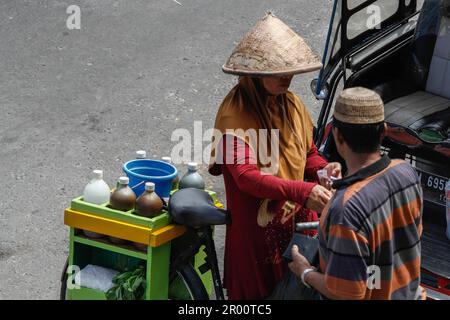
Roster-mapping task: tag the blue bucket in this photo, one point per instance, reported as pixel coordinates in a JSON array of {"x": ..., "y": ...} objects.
[{"x": 161, "y": 173}]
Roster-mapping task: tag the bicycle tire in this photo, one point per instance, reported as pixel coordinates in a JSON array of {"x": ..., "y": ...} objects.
[
  {"x": 64, "y": 277},
  {"x": 191, "y": 280}
]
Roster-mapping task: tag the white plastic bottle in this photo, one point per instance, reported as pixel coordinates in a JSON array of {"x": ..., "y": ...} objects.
[
  {"x": 96, "y": 192},
  {"x": 141, "y": 154},
  {"x": 447, "y": 199}
]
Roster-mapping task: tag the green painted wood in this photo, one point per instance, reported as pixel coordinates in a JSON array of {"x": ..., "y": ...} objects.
[
  {"x": 160, "y": 221},
  {"x": 206, "y": 278},
  {"x": 213, "y": 195},
  {"x": 158, "y": 259},
  {"x": 85, "y": 294},
  {"x": 71, "y": 245},
  {"x": 111, "y": 247}
]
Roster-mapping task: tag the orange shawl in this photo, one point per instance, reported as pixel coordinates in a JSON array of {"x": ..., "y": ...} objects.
[{"x": 246, "y": 108}]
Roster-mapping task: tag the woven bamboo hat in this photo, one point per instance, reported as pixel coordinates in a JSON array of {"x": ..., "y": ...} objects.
[
  {"x": 271, "y": 48},
  {"x": 359, "y": 106}
]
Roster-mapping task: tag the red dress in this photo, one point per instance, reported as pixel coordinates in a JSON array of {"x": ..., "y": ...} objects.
[{"x": 250, "y": 271}]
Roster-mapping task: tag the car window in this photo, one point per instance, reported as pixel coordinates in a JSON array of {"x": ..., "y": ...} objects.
[
  {"x": 428, "y": 20},
  {"x": 351, "y": 4},
  {"x": 370, "y": 17}
]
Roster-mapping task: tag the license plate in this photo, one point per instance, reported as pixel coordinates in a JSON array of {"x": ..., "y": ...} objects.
[{"x": 433, "y": 187}]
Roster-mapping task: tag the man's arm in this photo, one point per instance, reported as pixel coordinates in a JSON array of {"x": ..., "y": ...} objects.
[
  {"x": 315, "y": 279},
  {"x": 345, "y": 275}
]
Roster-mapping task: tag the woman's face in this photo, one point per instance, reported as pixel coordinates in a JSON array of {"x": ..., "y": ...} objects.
[{"x": 277, "y": 85}]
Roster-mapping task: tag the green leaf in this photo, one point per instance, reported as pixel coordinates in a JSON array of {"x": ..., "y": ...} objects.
[{"x": 129, "y": 285}]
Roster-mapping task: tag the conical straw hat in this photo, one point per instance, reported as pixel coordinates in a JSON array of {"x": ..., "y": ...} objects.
[
  {"x": 359, "y": 106},
  {"x": 271, "y": 48}
]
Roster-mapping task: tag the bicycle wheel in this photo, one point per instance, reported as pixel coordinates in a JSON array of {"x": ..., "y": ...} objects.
[
  {"x": 186, "y": 285},
  {"x": 64, "y": 277}
]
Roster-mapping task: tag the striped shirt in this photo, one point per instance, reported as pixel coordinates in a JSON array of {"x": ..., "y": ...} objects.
[{"x": 370, "y": 233}]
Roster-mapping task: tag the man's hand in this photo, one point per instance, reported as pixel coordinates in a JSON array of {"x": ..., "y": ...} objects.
[
  {"x": 318, "y": 198},
  {"x": 333, "y": 169},
  {"x": 299, "y": 263}
]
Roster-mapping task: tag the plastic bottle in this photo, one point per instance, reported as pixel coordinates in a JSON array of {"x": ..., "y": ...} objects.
[
  {"x": 176, "y": 180},
  {"x": 192, "y": 179},
  {"x": 447, "y": 199},
  {"x": 96, "y": 192},
  {"x": 141, "y": 154},
  {"x": 149, "y": 204},
  {"x": 123, "y": 199}
]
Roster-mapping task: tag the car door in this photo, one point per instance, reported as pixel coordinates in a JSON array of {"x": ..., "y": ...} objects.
[{"x": 359, "y": 31}]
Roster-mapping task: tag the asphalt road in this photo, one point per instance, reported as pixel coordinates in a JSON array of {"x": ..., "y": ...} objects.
[{"x": 76, "y": 100}]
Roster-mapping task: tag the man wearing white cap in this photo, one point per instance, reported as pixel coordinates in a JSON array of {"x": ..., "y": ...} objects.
[{"x": 370, "y": 230}]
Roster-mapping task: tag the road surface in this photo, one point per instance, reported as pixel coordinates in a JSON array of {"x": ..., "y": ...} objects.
[{"x": 76, "y": 100}]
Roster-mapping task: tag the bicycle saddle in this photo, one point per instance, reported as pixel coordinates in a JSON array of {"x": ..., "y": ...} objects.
[{"x": 195, "y": 208}]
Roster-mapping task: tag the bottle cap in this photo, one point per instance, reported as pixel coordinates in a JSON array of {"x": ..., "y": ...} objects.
[
  {"x": 97, "y": 174},
  {"x": 149, "y": 186},
  {"x": 124, "y": 180},
  {"x": 141, "y": 154},
  {"x": 167, "y": 159},
  {"x": 192, "y": 166}
]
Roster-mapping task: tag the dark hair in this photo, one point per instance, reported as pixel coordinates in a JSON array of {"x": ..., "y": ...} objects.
[
  {"x": 361, "y": 138},
  {"x": 446, "y": 8}
]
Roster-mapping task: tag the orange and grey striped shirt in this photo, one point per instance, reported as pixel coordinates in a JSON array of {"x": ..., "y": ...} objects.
[{"x": 370, "y": 233}]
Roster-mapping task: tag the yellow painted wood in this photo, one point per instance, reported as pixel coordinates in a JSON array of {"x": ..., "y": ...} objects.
[
  {"x": 219, "y": 205},
  {"x": 166, "y": 234},
  {"x": 108, "y": 227},
  {"x": 122, "y": 230}
]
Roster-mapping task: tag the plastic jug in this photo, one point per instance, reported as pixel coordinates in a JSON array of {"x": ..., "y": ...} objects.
[
  {"x": 192, "y": 179},
  {"x": 96, "y": 192},
  {"x": 149, "y": 204},
  {"x": 447, "y": 199},
  {"x": 123, "y": 198},
  {"x": 175, "y": 181}
]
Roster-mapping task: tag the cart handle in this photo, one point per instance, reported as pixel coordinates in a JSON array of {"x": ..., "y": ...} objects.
[{"x": 304, "y": 226}]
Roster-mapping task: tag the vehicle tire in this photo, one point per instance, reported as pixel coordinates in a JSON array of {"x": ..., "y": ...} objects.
[
  {"x": 185, "y": 284},
  {"x": 64, "y": 277}
]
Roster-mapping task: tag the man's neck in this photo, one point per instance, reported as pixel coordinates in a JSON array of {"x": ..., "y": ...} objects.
[{"x": 357, "y": 161}]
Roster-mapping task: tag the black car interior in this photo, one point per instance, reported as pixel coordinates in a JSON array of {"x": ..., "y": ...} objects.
[
  {"x": 414, "y": 83},
  {"x": 422, "y": 117}
]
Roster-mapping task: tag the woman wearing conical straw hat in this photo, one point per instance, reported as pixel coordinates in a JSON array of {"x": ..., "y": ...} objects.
[{"x": 263, "y": 146}]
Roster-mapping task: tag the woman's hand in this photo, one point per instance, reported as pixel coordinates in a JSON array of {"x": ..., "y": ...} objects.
[{"x": 318, "y": 198}]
